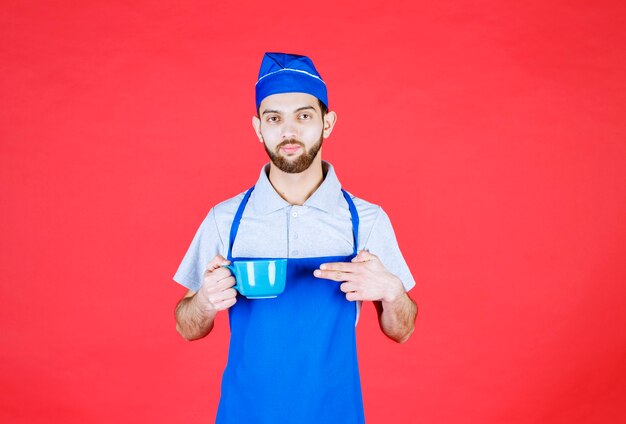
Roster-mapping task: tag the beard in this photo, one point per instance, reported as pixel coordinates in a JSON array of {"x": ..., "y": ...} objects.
[{"x": 300, "y": 163}]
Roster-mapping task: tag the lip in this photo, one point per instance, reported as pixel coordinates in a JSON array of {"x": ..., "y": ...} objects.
[{"x": 290, "y": 148}]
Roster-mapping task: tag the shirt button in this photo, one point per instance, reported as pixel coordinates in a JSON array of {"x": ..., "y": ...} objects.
[
  {"x": 294, "y": 253},
  {"x": 294, "y": 214},
  {"x": 295, "y": 236}
]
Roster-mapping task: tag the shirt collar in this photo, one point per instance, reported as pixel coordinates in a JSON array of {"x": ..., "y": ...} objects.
[{"x": 326, "y": 197}]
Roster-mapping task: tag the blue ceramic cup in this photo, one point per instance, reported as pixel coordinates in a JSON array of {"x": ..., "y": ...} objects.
[{"x": 259, "y": 278}]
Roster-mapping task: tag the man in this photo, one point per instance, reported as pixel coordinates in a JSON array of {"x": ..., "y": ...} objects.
[{"x": 292, "y": 359}]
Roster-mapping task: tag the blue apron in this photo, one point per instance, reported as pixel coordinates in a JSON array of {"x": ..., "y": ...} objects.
[{"x": 293, "y": 359}]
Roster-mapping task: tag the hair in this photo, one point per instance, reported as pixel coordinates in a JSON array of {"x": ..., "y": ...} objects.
[{"x": 323, "y": 108}]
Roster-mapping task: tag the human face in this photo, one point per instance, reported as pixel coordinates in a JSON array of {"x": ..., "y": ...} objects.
[{"x": 292, "y": 129}]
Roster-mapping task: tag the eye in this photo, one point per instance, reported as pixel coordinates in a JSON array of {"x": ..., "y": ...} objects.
[
  {"x": 305, "y": 116},
  {"x": 272, "y": 119}
]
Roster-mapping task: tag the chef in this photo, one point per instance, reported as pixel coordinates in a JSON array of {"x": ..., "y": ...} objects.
[{"x": 293, "y": 358}]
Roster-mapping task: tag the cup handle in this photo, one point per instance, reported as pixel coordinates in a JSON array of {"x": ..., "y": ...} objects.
[{"x": 232, "y": 270}]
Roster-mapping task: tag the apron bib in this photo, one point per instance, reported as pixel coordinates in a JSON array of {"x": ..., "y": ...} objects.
[{"x": 292, "y": 359}]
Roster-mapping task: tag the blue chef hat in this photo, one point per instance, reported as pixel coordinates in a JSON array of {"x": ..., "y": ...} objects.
[{"x": 289, "y": 73}]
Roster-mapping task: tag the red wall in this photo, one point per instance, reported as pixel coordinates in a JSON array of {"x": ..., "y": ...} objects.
[{"x": 492, "y": 133}]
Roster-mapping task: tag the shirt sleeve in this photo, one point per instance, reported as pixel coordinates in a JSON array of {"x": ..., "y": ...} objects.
[
  {"x": 382, "y": 243},
  {"x": 205, "y": 246}
]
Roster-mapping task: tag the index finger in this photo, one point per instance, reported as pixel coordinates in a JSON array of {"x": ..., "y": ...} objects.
[{"x": 338, "y": 266}]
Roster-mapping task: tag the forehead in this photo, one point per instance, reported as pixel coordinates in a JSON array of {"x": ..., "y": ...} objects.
[{"x": 288, "y": 102}]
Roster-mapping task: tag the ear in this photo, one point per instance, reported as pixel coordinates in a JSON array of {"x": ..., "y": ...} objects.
[
  {"x": 256, "y": 124},
  {"x": 329, "y": 123}
]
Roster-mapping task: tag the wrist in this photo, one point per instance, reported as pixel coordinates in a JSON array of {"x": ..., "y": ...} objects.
[
  {"x": 394, "y": 292},
  {"x": 202, "y": 306}
]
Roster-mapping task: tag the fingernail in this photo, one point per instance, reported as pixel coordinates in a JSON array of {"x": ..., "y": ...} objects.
[
  {"x": 317, "y": 273},
  {"x": 323, "y": 266}
]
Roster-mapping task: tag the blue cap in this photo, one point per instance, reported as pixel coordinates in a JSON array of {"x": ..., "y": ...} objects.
[{"x": 289, "y": 73}]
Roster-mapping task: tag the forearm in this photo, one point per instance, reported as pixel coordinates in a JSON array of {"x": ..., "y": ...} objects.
[
  {"x": 397, "y": 317},
  {"x": 192, "y": 320}
]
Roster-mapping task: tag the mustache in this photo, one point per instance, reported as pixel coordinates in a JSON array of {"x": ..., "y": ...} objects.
[{"x": 290, "y": 141}]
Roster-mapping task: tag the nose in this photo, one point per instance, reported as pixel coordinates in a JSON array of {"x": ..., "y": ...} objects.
[{"x": 289, "y": 131}]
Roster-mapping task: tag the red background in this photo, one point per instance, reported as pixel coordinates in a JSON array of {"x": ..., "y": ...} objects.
[{"x": 492, "y": 133}]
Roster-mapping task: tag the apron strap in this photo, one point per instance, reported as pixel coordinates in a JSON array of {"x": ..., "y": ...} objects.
[
  {"x": 355, "y": 220},
  {"x": 235, "y": 227}
]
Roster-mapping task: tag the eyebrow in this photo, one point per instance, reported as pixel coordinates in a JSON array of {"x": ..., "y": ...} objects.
[{"x": 297, "y": 110}]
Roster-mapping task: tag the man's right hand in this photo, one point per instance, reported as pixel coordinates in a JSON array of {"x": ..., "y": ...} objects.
[{"x": 217, "y": 292}]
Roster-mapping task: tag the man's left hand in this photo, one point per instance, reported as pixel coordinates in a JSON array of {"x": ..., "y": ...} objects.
[{"x": 365, "y": 278}]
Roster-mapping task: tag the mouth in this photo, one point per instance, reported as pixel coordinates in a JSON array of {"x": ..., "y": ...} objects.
[{"x": 290, "y": 149}]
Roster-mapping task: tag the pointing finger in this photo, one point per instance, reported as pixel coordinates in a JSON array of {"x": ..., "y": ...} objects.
[
  {"x": 332, "y": 275},
  {"x": 338, "y": 266}
]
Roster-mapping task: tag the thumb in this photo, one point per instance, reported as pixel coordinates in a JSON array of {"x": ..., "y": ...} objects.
[
  {"x": 217, "y": 262},
  {"x": 364, "y": 256}
]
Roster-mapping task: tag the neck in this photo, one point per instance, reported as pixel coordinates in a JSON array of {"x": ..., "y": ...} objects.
[{"x": 297, "y": 188}]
